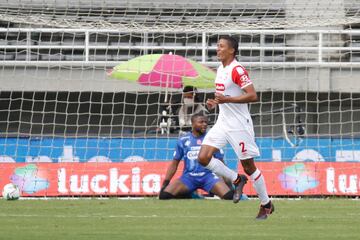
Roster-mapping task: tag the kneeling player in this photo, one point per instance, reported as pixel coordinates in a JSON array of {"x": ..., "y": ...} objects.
[{"x": 194, "y": 176}]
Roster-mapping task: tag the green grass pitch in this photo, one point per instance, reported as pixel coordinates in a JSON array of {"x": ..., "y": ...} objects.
[{"x": 177, "y": 219}]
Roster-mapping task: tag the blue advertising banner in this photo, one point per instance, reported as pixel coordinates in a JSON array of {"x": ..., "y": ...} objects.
[{"x": 161, "y": 149}]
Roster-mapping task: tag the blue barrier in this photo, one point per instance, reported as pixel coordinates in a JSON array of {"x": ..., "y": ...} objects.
[{"x": 161, "y": 149}]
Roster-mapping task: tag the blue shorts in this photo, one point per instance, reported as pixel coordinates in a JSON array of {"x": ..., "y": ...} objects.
[{"x": 194, "y": 181}]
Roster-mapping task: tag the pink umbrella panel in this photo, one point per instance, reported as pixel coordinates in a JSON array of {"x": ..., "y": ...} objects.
[{"x": 165, "y": 70}]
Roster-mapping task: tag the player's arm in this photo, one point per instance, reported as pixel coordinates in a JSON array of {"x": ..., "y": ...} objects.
[
  {"x": 170, "y": 172},
  {"x": 249, "y": 96}
]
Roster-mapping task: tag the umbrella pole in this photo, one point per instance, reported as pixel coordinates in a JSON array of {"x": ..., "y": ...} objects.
[
  {"x": 165, "y": 101},
  {"x": 166, "y": 89},
  {"x": 166, "y": 95}
]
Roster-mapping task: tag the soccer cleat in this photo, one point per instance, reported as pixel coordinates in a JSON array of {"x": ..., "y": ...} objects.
[
  {"x": 265, "y": 211},
  {"x": 239, "y": 185}
]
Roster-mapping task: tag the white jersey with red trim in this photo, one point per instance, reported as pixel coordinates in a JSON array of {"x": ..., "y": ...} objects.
[{"x": 230, "y": 80}]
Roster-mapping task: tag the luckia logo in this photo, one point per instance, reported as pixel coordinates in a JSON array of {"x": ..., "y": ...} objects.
[
  {"x": 30, "y": 178},
  {"x": 298, "y": 178}
]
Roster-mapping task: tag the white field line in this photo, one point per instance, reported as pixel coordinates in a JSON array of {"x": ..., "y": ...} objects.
[
  {"x": 2, "y": 215},
  {"x": 106, "y": 216},
  {"x": 154, "y": 198}
]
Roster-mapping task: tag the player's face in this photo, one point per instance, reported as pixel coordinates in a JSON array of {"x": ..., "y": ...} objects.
[
  {"x": 224, "y": 51},
  {"x": 200, "y": 124}
]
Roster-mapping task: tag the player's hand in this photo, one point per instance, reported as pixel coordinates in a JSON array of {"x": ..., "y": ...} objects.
[
  {"x": 164, "y": 185},
  {"x": 211, "y": 104},
  {"x": 220, "y": 98}
]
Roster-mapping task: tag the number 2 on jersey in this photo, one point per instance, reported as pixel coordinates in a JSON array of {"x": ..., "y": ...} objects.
[{"x": 242, "y": 145}]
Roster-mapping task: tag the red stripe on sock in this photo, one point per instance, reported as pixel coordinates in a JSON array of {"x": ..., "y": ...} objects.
[{"x": 257, "y": 177}]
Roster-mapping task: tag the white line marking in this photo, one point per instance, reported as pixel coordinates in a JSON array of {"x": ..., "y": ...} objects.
[{"x": 103, "y": 216}]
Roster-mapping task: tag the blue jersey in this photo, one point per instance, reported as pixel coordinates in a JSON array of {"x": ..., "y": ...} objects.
[{"x": 187, "y": 148}]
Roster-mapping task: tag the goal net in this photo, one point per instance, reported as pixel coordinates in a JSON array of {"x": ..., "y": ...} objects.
[{"x": 76, "y": 118}]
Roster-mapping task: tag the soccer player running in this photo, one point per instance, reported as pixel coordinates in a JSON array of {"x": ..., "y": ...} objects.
[
  {"x": 234, "y": 90},
  {"x": 194, "y": 176}
]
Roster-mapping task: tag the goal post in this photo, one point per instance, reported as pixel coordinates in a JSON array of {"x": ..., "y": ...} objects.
[{"x": 70, "y": 128}]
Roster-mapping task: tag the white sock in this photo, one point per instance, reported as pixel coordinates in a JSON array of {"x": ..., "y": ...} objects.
[
  {"x": 220, "y": 169},
  {"x": 258, "y": 182}
]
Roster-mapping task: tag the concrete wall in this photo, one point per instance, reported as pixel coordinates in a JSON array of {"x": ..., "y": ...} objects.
[{"x": 77, "y": 79}]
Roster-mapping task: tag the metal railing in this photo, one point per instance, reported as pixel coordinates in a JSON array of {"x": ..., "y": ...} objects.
[{"x": 292, "y": 48}]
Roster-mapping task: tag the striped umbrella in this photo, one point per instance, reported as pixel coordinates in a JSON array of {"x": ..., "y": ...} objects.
[{"x": 165, "y": 70}]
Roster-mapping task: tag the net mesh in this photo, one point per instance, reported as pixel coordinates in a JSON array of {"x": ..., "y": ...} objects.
[{"x": 187, "y": 16}]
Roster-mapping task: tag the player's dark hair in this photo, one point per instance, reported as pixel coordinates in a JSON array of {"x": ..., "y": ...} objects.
[
  {"x": 233, "y": 42},
  {"x": 196, "y": 115}
]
